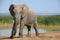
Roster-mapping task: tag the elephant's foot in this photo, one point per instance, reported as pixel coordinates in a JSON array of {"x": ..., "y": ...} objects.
[
  {"x": 37, "y": 34},
  {"x": 11, "y": 37},
  {"x": 29, "y": 35},
  {"x": 20, "y": 36}
]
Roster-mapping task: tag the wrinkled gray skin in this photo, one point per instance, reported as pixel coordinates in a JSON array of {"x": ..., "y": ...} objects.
[{"x": 24, "y": 16}]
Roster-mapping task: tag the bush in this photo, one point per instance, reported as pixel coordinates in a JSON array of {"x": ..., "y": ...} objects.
[
  {"x": 5, "y": 19},
  {"x": 49, "y": 20}
]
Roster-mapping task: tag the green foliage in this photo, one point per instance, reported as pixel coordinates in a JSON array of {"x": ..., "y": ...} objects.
[
  {"x": 5, "y": 19},
  {"x": 49, "y": 20}
]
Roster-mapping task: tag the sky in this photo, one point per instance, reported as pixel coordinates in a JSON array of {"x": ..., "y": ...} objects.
[{"x": 41, "y": 7}]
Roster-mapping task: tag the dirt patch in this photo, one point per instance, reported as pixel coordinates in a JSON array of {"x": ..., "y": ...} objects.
[
  {"x": 42, "y": 36},
  {"x": 5, "y": 26}
]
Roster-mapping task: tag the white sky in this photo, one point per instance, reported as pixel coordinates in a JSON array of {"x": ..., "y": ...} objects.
[{"x": 39, "y": 6}]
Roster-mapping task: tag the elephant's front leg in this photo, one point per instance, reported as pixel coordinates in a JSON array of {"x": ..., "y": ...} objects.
[
  {"x": 21, "y": 29},
  {"x": 14, "y": 29}
]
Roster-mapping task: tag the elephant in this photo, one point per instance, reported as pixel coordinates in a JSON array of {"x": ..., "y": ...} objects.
[{"x": 24, "y": 16}]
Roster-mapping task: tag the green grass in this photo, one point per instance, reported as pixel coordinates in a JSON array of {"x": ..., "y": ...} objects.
[
  {"x": 49, "y": 23},
  {"x": 48, "y": 20},
  {"x": 6, "y": 19},
  {"x": 49, "y": 27}
]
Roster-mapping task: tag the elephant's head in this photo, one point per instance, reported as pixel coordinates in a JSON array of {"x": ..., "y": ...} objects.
[
  {"x": 15, "y": 9},
  {"x": 21, "y": 10}
]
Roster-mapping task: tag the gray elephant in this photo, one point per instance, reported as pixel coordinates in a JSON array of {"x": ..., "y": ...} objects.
[{"x": 24, "y": 16}]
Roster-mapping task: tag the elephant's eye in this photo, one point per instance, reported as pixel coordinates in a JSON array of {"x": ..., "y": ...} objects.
[
  {"x": 14, "y": 10},
  {"x": 21, "y": 12}
]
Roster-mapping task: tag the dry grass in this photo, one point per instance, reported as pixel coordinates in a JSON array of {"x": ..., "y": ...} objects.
[
  {"x": 49, "y": 27},
  {"x": 5, "y": 26},
  {"x": 42, "y": 36},
  {"x": 46, "y": 27}
]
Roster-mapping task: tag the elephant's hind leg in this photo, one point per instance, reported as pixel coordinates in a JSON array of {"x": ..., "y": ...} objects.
[
  {"x": 29, "y": 30},
  {"x": 35, "y": 28}
]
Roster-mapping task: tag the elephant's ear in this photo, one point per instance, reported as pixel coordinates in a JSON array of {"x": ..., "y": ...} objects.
[
  {"x": 11, "y": 9},
  {"x": 24, "y": 10}
]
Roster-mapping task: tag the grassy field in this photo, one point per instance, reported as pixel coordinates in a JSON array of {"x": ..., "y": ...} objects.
[
  {"x": 48, "y": 20},
  {"x": 6, "y": 19},
  {"x": 49, "y": 23}
]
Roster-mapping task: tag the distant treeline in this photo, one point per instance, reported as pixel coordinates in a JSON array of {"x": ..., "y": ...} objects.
[
  {"x": 6, "y": 19},
  {"x": 49, "y": 20},
  {"x": 41, "y": 19}
]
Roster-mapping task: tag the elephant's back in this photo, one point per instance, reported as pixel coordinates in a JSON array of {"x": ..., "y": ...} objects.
[
  {"x": 32, "y": 14},
  {"x": 31, "y": 17}
]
